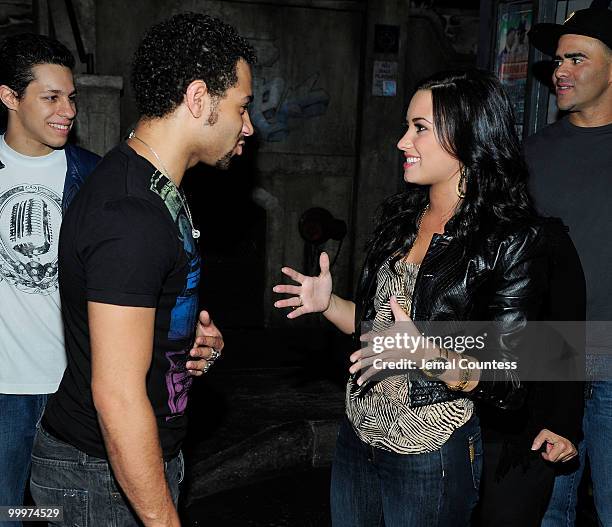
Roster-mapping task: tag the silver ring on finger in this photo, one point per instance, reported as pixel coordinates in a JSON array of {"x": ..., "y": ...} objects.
[
  {"x": 214, "y": 355},
  {"x": 207, "y": 367}
]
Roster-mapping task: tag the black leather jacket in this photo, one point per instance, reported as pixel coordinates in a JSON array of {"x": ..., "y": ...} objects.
[{"x": 505, "y": 279}]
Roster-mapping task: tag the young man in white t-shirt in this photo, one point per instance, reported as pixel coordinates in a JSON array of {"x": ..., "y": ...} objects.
[
  {"x": 39, "y": 175},
  {"x": 37, "y": 91}
]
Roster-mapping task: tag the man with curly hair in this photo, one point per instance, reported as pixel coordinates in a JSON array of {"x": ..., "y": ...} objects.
[{"x": 108, "y": 448}]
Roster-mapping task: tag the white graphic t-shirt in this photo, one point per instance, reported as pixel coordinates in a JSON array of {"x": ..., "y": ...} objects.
[{"x": 32, "y": 356}]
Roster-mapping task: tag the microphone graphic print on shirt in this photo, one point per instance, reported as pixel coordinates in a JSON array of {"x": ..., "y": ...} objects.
[{"x": 30, "y": 219}]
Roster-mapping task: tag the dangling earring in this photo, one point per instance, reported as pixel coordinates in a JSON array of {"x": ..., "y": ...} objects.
[{"x": 462, "y": 183}]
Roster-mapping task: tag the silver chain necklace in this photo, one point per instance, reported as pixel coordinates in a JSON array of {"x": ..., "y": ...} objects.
[
  {"x": 194, "y": 232},
  {"x": 420, "y": 220}
]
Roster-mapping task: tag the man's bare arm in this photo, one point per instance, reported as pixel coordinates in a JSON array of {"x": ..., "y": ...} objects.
[{"x": 121, "y": 350}]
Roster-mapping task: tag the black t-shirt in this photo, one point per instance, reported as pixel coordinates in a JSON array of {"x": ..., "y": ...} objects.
[
  {"x": 571, "y": 174},
  {"x": 126, "y": 240}
]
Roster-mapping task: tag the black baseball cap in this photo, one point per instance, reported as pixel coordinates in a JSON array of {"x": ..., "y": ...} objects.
[{"x": 593, "y": 22}]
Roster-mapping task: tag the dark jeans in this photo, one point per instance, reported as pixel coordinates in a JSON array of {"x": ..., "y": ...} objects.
[
  {"x": 373, "y": 487},
  {"x": 19, "y": 415},
  {"x": 84, "y": 485},
  {"x": 597, "y": 426}
]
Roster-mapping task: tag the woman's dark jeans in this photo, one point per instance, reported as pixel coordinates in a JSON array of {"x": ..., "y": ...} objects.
[
  {"x": 373, "y": 487},
  {"x": 84, "y": 485}
]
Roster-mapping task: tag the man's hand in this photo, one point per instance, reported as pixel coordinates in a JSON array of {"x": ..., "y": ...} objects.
[
  {"x": 207, "y": 346},
  {"x": 557, "y": 447}
]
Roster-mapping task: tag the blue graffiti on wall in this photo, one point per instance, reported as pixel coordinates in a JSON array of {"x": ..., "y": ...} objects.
[{"x": 277, "y": 109}]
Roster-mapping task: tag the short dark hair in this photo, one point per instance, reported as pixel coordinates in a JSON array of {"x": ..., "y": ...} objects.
[
  {"x": 184, "y": 48},
  {"x": 20, "y": 53}
]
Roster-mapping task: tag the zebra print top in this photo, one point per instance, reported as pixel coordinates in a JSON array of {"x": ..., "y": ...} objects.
[{"x": 380, "y": 414}]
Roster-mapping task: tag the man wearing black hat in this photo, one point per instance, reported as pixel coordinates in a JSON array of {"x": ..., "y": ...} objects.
[{"x": 570, "y": 163}]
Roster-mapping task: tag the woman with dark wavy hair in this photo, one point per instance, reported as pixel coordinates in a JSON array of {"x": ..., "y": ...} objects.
[{"x": 462, "y": 242}]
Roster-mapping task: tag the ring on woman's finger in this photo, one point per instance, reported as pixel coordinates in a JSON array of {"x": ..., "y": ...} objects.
[
  {"x": 207, "y": 367},
  {"x": 299, "y": 305},
  {"x": 214, "y": 355}
]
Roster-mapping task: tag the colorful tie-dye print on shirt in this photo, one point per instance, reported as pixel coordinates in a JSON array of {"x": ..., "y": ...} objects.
[{"x": 184, "y": 313}]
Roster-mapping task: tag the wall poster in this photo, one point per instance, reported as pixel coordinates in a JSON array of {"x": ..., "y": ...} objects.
[{"x": 512, "y": 53}]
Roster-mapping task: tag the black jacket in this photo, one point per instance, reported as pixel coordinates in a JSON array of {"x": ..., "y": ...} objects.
[{"x": 509, "y": 276}]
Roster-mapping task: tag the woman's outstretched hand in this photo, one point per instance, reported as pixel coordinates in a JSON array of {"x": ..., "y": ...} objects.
[{"x": 313, "y": 295}]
